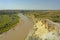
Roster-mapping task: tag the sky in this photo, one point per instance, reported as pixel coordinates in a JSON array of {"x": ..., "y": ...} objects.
[{"x": 30, "y": 4}]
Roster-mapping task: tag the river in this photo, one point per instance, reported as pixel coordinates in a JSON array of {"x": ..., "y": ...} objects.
[{"x": 20, "y": 31}]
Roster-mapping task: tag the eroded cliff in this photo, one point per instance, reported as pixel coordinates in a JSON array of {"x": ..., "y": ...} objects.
[{"x": 45, "y": 29}]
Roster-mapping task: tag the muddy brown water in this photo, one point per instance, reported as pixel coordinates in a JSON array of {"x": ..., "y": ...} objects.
[{"x": 20, "y": 31}]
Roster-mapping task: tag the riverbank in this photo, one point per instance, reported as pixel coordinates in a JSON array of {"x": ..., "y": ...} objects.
[{"x": 20, "y": 31}]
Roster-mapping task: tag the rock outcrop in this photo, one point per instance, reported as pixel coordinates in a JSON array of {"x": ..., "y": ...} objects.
[{"x": 45, "y": 30}]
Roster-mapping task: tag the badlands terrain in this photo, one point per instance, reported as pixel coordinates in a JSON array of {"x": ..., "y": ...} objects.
[
  {"x": 46, "y": 25},
  {"x": 30, "y": 25}
]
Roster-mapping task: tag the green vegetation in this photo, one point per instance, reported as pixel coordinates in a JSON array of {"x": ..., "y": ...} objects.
[
  {"x": 53, "y": 15},
  {"x": 7, "y": 21}
]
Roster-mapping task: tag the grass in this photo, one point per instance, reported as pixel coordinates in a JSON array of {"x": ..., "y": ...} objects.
[
  {"x": 7, "y": 22},
  {"x": 53, "y": 15}
]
